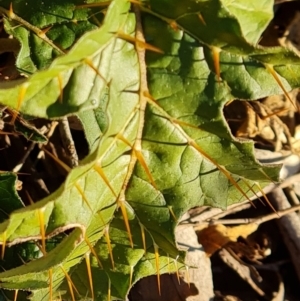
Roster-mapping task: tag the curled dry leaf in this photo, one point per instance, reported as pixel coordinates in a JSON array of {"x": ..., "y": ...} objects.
[{"x": 214, "y": 237}]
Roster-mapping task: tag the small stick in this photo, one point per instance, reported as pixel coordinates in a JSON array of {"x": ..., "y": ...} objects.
[
  {"x": 67, "y": 140},
  {"x": 52, "y": 169},
  {"x": 258, "y": 220},
  {"x": 217, "y": 212},
  {"x": 232, "y": 210},
  {"x": 40, "y": 155},
  {"x": 292, "y": 196},
  {"x": 49, "y": 134},
  {"x": 214, "y": 213},
  {"x": 20, "y": 164}
]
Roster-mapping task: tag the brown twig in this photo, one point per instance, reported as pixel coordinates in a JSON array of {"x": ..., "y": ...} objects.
[
  {"x": 199, "y": 216},
  {"x": 20, "y": 164},
  {"x": 258, "y": 220},
  {"x": 68, "y": 142}
]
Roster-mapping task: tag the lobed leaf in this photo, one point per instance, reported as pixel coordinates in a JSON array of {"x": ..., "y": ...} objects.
[{"x": 158, "y": 139}]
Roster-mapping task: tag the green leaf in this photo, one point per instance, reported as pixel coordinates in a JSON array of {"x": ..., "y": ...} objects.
[
  {"x": 51, "y": 93},
  {"x": 63, "y": 25},
  {"x": 210, "y": 21},
  {"x": 158, "y": 139},
  {"x": 10, "y": 200},
  {"x": 253, "y": 16},
  {"x": 95, "y": 122}
]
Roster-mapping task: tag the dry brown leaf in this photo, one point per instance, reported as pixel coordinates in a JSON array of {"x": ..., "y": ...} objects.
[
  {"x": 252, "y": 124},
  {"x": 214, "y": 237}
]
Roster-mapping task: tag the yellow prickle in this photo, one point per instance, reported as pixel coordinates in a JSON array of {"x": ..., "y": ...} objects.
[
  {"x": 157, "y": 266},
  {"x": 266, "y": 198},
  {"x": 93, "y": 252},
  {"x": 174, "y": 120},
  {"x": 101, "y": 173},
  {"x": 126, "y": 221},
  {"x": 61, "y": 163},
  {"x": 42, "y": 33},
  {"x": 222, "y": 169},
  {"x": 60, "y": 86},
  {"x": 142, "y": 161},
  {"x": 16, "y": 295},
  {"x": 107, "y": 238},
  {"x": 123, "y": 139},
  {"x": 177, "y": 272},
  {"x": 89, "y": 270},
  {"x": 11, "y": 13},
  {"x": 70, "y": 283},
  {"x": 201, "y": 19},
  {"x": 140, "y": 157},
  {"x": 42, "y": 229},
  {"x": 21, "y": 96},
  {"x": 188, "y": 276},
  {"x": 216, "y": 57},
  {"x": 91, "y": 65},
  {"x": 172, "y": 213},
  {"x": 143, "y": 236},
  {"x": 138, "y": 42},
  {"x": 252, "y": 190},
  {"x": 131, "y": 276},
  {"x": 270, "y": 68},
  {"x": 81, "y": 192}
]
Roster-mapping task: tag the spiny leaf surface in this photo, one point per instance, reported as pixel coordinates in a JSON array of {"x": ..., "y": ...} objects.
[{"x": 158, "y": 139}]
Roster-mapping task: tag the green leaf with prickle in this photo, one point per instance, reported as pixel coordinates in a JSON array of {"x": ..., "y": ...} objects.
[
  {"x": 158, "y": 139},
  {"x": 60, "y": 21},
  {"x": 10, "y": 202},
  {"x": 52, "y": 93}
]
